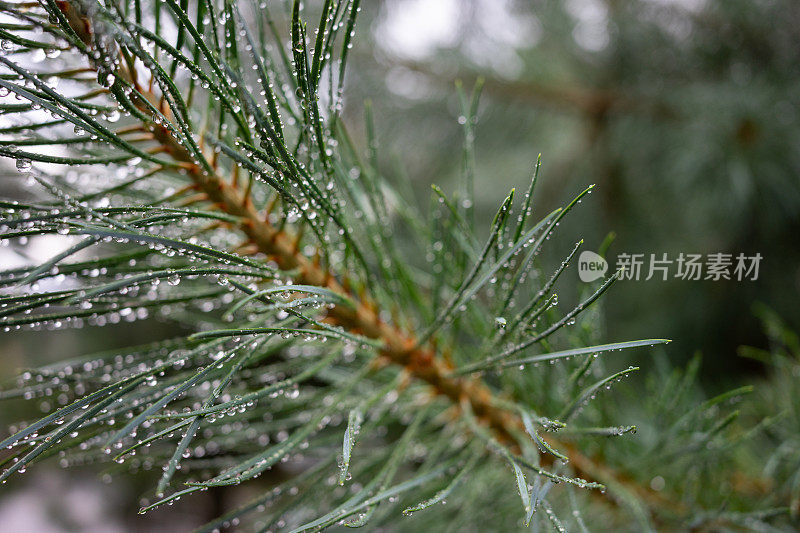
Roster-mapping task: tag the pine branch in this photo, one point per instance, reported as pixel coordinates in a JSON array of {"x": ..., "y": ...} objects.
[
  {"x": 161, "y": 133},
  {"x": 398, "y": 347}
]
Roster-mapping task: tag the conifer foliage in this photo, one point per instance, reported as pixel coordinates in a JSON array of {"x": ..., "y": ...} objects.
[{"x": 384, "y": 358}]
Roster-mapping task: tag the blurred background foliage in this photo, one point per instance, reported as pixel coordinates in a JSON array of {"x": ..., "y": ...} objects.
[{"x": 685, "y": 113}]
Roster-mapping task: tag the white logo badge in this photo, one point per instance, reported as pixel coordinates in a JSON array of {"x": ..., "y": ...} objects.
[{"x": 591, "y": 266}]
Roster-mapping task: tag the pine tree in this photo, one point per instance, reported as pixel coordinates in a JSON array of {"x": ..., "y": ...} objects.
[{"x": 394, "y": 357}]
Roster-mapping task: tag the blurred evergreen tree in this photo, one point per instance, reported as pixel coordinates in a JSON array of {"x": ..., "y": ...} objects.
[{"x": 684, "y": 112}]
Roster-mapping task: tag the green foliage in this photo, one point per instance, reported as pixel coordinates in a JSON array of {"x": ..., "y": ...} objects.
[
  {"x": 682, "y": 112},
  {"x": 201, "y": 144}
]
